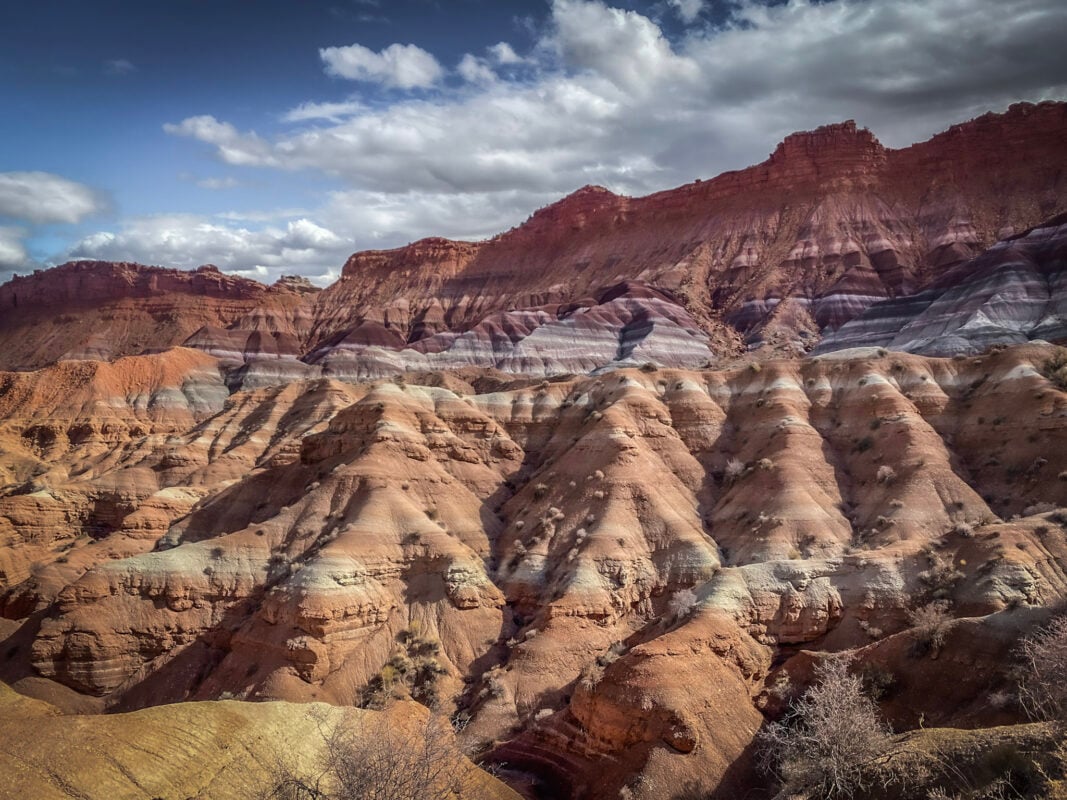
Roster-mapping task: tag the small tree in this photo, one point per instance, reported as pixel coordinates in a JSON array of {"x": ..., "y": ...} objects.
[
  {"x": 1043, "y": 672},
  {"x": 828, "y": 737}
]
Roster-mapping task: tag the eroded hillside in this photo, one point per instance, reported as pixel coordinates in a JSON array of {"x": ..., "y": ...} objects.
[{"x": 609, "y": 578}]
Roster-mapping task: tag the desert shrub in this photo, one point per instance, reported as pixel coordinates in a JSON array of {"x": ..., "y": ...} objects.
[
  {"x": 682, "y": 603},
  {"x": 941, "y": 578},
  {"x": 372, "y": 759},
  {"x": 828, "y": 737},
  {"x": 963, "y": 529},
  {"x": 412, "y": 670},
  {"x": 1055, "y": 369},
  {"x": 878, "y": 681},
  {"x": 930, "y": 622},
  {"x": 611, "y": 655},
  {"x": 735, "y": 468},
  {"x": 1042, "y": 672}
]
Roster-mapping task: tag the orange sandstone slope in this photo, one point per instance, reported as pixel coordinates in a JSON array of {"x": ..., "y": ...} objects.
[{"x": 609, "y": 578}]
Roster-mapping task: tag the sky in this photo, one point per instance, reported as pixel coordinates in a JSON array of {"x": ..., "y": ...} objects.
[{"x": 275, "y": 137}]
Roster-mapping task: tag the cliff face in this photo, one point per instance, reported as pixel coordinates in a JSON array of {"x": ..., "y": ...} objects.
[
  {"x": 1013, "y": 292},
  {"x": 831, "y": 223},
  {"x": 101, "y": 310},
  {"x": 832, "y": 219}
]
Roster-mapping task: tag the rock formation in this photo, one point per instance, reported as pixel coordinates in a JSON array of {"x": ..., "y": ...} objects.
[
  {"x": 1013, "y": 292},
  {"x": 572, "y": 486}
]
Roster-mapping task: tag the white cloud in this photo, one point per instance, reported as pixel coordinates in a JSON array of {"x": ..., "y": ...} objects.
[
  {"x": 624, "y": 47},
  {"x": 398, "y": 66},
  {"x": 242, "y": 149},
  {"x": 475, "y": 70},
  {"x": 504, "y": 54},
  {"x": 187, "y": 240},
  {"x": 12, "y": 251},
  {"x": 119, "y": 66},
  {"x": 687, "y": 10},
  {"x": 43, "y": 197},
  {"x": 333, "y": 112}
]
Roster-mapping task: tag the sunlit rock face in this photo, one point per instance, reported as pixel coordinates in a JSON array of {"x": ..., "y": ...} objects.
[{"x": 1013, "y": 292}]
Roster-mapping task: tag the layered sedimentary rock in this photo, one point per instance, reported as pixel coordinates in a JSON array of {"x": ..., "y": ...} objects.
[
  {"x": 552, "y": 561},
  {"x": 101, "y": 310},
  {"x": 530, "y": 483},
  {"x": 1013, "y": 292},
  {"x": 773, "y": 254}
]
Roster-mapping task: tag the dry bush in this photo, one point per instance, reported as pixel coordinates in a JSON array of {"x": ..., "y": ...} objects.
[
  {"x": 735, "y": 468},
  {"x": 886, "y": 474},
  {"x": 413, "y": 671},
  {"x": 682, "y": 603},
  {"x": 829, "y": 737},
  {"x": 1042, "y": 672},
  {"x": 1055, "y": 369},
  {"x": 374, "y": 760},
  {"x": 930, "y": 622}
]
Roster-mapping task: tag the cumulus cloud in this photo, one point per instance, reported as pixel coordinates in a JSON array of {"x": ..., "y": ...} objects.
[
  {"x": 504, "y": 54},
  {"x": 188, "y": 240},
  {"x": 624, "y": 47},
  {"x": 242, "y": 149},
  {"x": 475, "y": 70},
  {"x": 12, "y": 251},
  {"x": 43, "y": 197},
  {"x": 398, "y": 66}
]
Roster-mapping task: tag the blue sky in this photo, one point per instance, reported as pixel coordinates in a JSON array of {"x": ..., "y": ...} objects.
[{"x": 277, "y": 136}]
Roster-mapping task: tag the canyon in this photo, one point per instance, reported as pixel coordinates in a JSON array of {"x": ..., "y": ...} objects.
[{"x": 605, "y": 489}]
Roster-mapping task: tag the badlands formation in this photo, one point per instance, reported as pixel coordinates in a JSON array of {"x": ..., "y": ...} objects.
[{"x": 605, "y": 489}]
